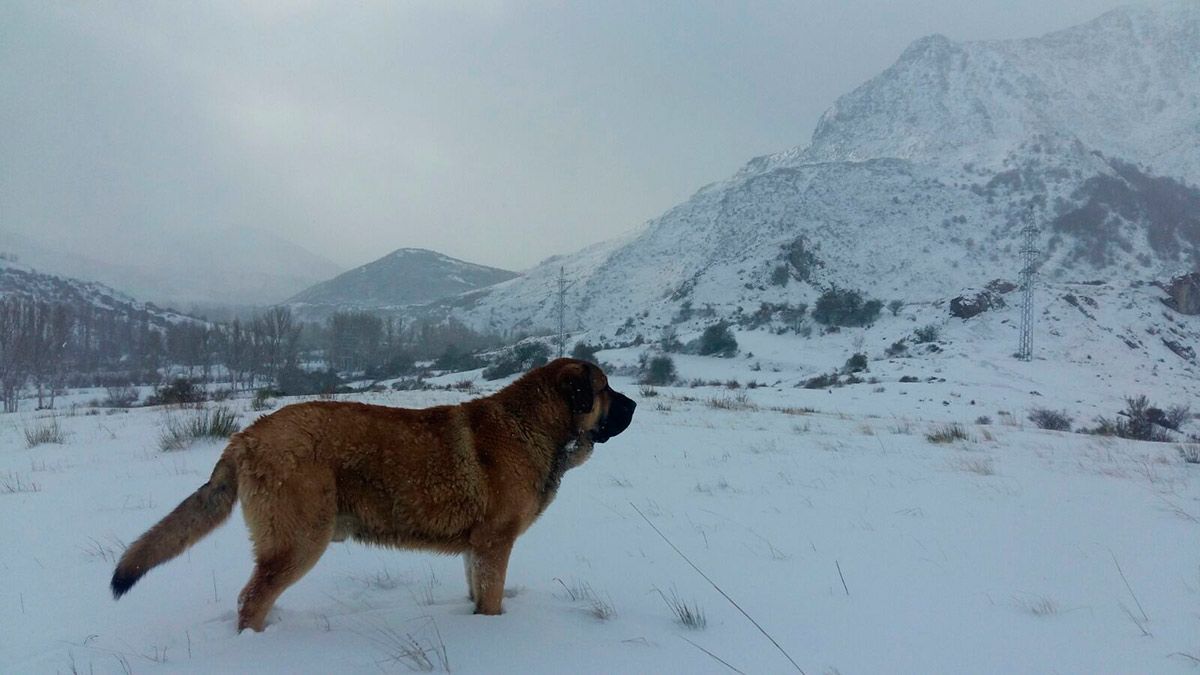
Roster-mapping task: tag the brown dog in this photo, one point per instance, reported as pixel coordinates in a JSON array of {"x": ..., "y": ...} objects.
[{"x": 462, "y": 479}]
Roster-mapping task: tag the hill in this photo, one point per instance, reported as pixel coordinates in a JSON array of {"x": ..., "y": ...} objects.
[{"x": 406, "y": 276}]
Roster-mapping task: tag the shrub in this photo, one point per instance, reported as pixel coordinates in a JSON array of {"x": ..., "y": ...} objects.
[
  {"x": 1176, "y": 416},
  {"x": 843, "y": 307},
  {"x": 181, "y": 429},
  {"x": 1139, "y": 421},
  {"x": 455, "y": 360},
  {"x": 792, "y": 316},
  {"x": 120, "y": 396},
  {"x": 657, "y": 370},
  {"x": 669, "y": 340},
  {"x": 1054, "y": 420},
  {"x": 822, "y": 381},
  {"x": 780, "y": 275},
  {"x": 906, "y": 379},
  {"x": 856, "y": 363},
  {"x": 585, "y": 352},
  {"x": 895, "y": 306},
  {"x": 983, "y": 420},
  {"x": 262, "y": 399},
  {"x": 45, "y": 430},
  {"x": 518, "y": 359},
  {"x": 897, "y": 348},
  {"x": 397, "y": 365},
  {"x": 410, "y": 384},
  {"x": 294, "y": 381},
  {"x": 801, "y": 258},
  {"x": 927, "y": 333},
  {"x": 685, "y": 312},
  {"x": 180, "y": 391},
  {"x": 717, "y": 340}
]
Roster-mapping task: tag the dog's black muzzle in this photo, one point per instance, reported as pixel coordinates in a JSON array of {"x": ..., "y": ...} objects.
[{"x": 620, "y": 414}]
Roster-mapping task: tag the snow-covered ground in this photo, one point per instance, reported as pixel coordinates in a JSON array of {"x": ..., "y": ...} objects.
[{"x": 856, "y": 543}]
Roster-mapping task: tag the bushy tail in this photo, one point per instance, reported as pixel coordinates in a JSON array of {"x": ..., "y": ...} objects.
[{"x": 194, "y": 518}]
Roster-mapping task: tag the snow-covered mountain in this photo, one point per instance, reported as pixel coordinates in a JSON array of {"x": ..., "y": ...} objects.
[
  {"x": 83, "y": 297},
  {"x": 1126, "y": 84},
  {"x": 403, "y": 277},
  {"x": 916, "y": 186},
  {"x": 225, "y": 267}
]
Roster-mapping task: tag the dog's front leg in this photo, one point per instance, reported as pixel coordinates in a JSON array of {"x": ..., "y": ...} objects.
[
  {"x": 489, "y": 566},
  {"x": 469, "y": 568}
]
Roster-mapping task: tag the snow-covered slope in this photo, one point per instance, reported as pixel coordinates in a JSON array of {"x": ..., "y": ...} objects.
[
  {"x": 916, "y": 185},
  {"x": 1126, "y": 84},
  {"x": 83, "y": 297},
  {"x": 220, "y": 266},
  {"x": 855, "y": 542},
  {"x": 403, "y": 277}
]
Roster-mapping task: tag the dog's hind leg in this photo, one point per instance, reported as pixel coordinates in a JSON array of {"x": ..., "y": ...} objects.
[{"x": 289, "y": 537}]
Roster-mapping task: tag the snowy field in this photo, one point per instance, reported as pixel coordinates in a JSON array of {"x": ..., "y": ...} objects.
[{"x": 858, "y": 544}]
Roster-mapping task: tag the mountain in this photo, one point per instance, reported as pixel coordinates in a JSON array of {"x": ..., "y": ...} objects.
[
  {"x": 83, "y": 297},
  {"x": 917, "y": 184},
  {"x": 406, "y": 276},
  {"x": 225, "y": 267}
]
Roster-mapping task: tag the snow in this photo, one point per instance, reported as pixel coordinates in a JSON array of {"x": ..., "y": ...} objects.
[
  {"x": 1018, "y": 550},
  {"x": 857, "y": 543}
]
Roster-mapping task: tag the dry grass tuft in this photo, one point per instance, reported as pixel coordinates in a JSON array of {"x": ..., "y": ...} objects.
[
  {"x": 1037, "y": 606},
  {"x": 43, "y": 431},
  {"x": 739, "y": 401},
  {"x": 947, "y": 433},
  {"x": 688, "y": 615},
  {"x": 12, "y": 483},
  {"x": 421, "y": 650},
  {"x": 181, "y": 429}
]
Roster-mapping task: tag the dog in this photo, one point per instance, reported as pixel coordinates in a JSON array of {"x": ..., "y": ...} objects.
[{"x": 463, "y": 479}]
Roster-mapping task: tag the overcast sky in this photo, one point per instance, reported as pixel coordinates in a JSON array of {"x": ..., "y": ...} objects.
[{"x": 497, "y": 132}]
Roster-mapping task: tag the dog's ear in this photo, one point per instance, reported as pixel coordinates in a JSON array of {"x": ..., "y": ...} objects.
[{"x": 575, "y": 383}]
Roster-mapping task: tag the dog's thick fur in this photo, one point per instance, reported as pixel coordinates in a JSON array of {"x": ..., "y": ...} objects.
[{"x": 463, "y": 479}]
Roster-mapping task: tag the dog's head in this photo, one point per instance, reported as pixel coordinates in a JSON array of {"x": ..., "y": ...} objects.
[{"x": 600, "y": 412}]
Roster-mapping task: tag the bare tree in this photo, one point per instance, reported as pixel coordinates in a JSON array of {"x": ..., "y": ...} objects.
[
  {"x": 14, "y": 350},
  {"x": 279, "y": 337}
]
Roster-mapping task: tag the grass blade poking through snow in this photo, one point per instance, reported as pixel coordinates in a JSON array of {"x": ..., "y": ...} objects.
[
  {"x": 717, "y": 658},
  {"x": 718, "y": 589},
  {"x": 691, "y": 616}
]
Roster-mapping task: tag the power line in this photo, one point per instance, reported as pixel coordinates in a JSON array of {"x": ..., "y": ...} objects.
[
  {"x": 561, "y": 308},
  {"x": 1029, "y": 256}
]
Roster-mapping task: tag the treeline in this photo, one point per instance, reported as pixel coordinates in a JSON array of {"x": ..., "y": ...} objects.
[
  {"x": 273, "y": 348},
  {"x": 52, "y": 346},
  {"x": 55, "y": 345}
]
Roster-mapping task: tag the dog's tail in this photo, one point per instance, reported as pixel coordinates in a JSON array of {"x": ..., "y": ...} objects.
[{"x": 194, "y": 518}]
